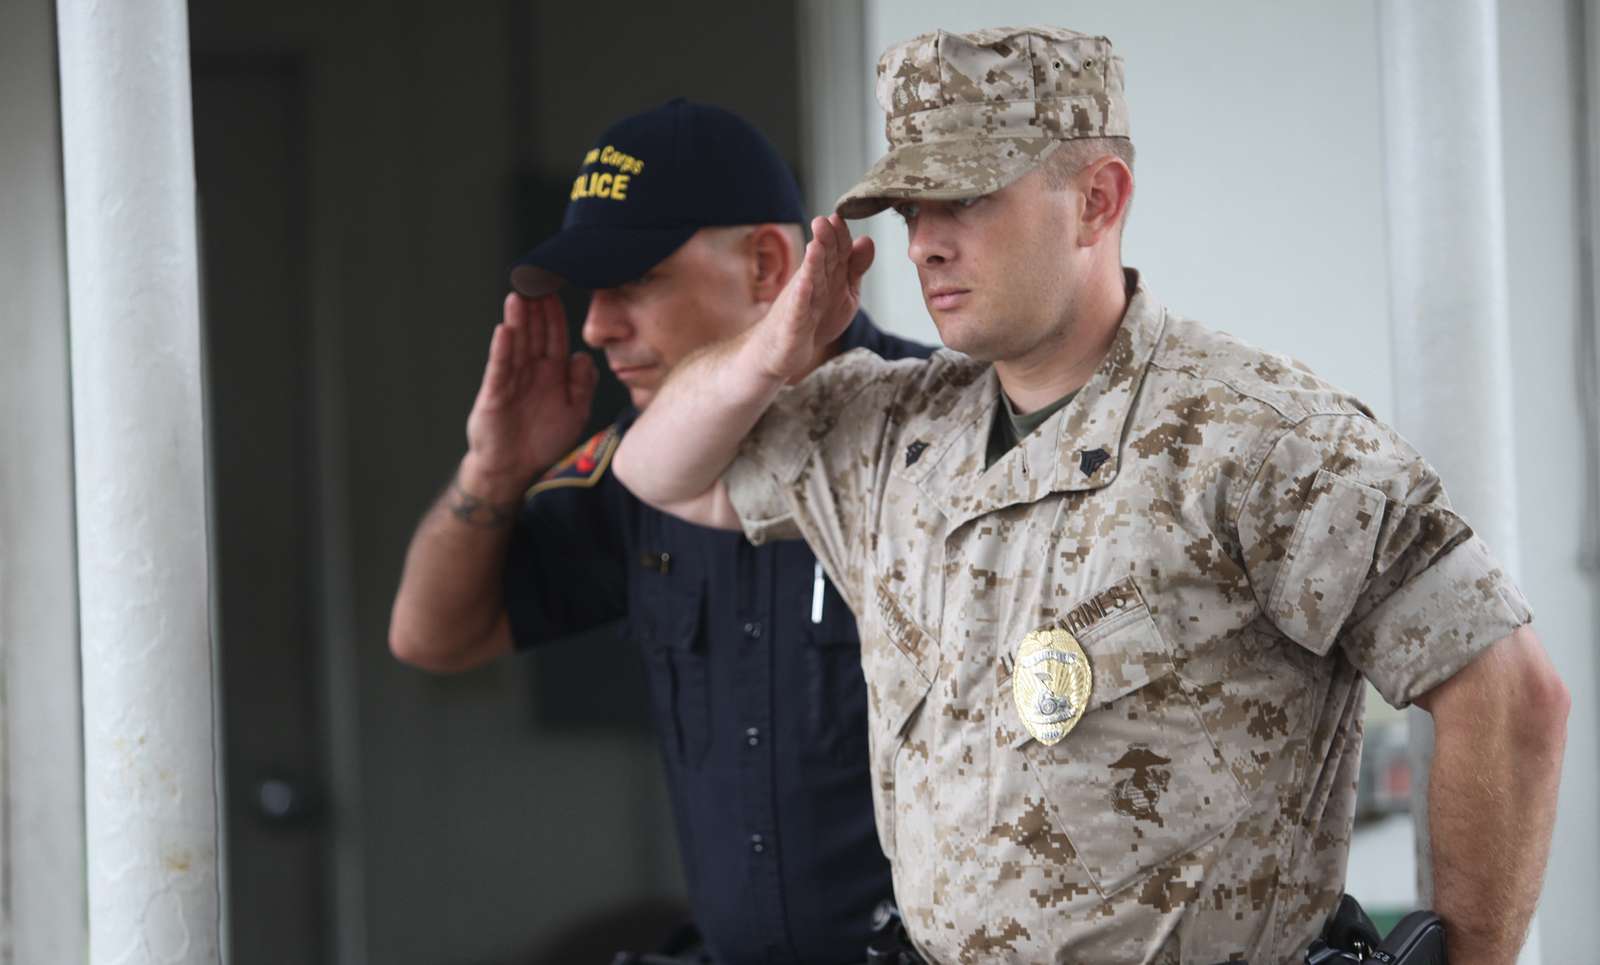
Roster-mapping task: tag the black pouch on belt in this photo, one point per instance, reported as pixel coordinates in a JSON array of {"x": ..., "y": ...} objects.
[{"x": 1350, "y": 937}]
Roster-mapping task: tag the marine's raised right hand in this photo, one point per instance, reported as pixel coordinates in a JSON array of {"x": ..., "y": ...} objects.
[
  {"x": 817, "y": 304},
  {"x": 532, "y": 404}
]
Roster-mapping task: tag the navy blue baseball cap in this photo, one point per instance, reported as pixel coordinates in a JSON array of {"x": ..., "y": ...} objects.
[{"x": 650, "y": 182}]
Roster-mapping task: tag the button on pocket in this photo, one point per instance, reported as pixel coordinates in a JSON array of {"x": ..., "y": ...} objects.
[{"x": 1138, "y": 781}]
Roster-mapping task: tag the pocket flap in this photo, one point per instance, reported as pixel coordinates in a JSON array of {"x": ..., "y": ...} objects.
[
  {"x": 1329, "y": 556},
  {"x": 666, "y": 610},
  {"x": 679, "y": 626},
  {"x": 1118, "y": 635}
]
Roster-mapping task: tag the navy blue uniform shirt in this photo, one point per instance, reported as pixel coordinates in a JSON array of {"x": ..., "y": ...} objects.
[{"x": 758, "y": 699}]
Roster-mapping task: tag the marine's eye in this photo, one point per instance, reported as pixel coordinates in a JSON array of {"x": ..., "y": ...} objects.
[
  {"x": 907, "y": 210},
  {"x": 967, "y": 202}
]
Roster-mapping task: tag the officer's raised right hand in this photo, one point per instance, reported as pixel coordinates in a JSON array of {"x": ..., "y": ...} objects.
[{"x": 532, "y": 404}]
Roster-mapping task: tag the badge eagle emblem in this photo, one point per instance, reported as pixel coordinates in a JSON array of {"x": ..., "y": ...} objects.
[{"x": 1051, "y": 683}]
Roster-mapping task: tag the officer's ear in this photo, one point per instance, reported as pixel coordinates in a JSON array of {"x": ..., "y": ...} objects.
[{"x": 773, "y": 256}]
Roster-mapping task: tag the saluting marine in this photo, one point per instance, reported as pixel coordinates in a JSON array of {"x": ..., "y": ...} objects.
[{"x": 1119, "y": 577}]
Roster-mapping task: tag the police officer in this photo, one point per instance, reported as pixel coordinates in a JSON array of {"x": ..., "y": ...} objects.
[
  {"x": 686, "y": 224},
  {"x": 1119, "y": 577}
]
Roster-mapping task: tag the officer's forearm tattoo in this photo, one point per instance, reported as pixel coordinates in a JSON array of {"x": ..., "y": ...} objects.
[{"x": 476, "y": 511}]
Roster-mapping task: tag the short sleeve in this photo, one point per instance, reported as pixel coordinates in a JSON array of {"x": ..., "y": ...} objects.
[
  {"x": 1347, "y": 536},
  {"x": 809, "y": 467}
]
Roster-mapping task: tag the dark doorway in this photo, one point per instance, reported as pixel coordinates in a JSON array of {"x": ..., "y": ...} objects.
[
  {"x": 366, "y": 172},
  {"x": 249, "y": 155}
]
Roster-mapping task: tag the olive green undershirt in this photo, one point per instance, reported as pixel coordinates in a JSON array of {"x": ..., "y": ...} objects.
[{"x": 1010, "y": 428}]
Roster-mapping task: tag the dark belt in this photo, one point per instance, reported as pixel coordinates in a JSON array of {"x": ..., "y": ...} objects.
[{"x": 1349, "y": 938}]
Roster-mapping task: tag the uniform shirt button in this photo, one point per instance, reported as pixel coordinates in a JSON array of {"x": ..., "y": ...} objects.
[
  {"x": 752, "y": 630},
  {"x": 756, "y": 844},
  {"x": 752, "y": 735}
]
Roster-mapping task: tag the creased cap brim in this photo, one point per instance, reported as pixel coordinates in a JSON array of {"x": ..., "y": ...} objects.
[{"x": 944, "y": 171}]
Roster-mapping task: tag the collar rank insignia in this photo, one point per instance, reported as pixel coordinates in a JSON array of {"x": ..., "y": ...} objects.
[
  {"x": 1051, "y": 683},
  {"x": 1092, "y": 459},
  {"x": 583, "y": 466},
  {"x": 915, "y": 451}
]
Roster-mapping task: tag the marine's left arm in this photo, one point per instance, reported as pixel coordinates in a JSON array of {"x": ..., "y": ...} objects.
[
  {"x": 1351, "y": 542},
  {"x": 1500, "y": 726}
]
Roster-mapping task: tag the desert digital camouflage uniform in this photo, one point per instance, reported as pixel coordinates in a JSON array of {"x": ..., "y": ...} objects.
[{"x": 1234, "y": 543}]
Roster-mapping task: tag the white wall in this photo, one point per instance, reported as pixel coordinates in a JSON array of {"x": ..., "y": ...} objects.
[
  {"x": 1260, "y": 211},
  {"x": 1539, "y": 71}
]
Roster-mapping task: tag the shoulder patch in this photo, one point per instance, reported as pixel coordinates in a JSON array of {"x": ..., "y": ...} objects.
[{"x": 583, "y": 466}]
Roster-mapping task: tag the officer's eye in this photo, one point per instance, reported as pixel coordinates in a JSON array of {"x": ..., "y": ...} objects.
[
  {"x": 907, "y": 211},
  {"x": 968, "y": 202}
]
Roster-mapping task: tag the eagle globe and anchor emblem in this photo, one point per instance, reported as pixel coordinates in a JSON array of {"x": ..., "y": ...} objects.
[{"x": 1051, "y": 683}]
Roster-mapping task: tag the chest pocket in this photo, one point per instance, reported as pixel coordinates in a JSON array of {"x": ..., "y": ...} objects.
[
  {"x": 665, "y": 614},
  {"x": 835, "y": 691},
  {"x": 1138, "y": 781}
]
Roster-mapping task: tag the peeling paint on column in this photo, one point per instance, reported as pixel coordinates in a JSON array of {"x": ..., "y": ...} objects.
[{"x": 144, "y": 581}]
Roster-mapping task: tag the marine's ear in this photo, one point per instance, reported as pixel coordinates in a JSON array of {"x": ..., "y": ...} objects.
[{"x": 1107, "y": 189}]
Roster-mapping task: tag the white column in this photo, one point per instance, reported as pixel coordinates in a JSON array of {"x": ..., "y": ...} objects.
[
  {"x": 1447, "y": 274},
  {"x": 151, "y": 796},
  {"x": 41, "y": 756},
  {"x": 834, "y": 65}
]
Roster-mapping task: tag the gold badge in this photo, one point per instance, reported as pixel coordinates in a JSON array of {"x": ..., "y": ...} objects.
[{"x": 1051, "y": 683}]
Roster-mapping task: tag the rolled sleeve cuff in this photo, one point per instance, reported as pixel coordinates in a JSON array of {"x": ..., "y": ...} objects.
[
  {"x": 1437, "y": 623},
  {"x": 760, "y": 500}
]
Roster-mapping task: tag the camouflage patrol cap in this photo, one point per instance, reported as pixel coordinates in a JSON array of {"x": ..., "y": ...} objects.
[{"x": 970, "y": 113}]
